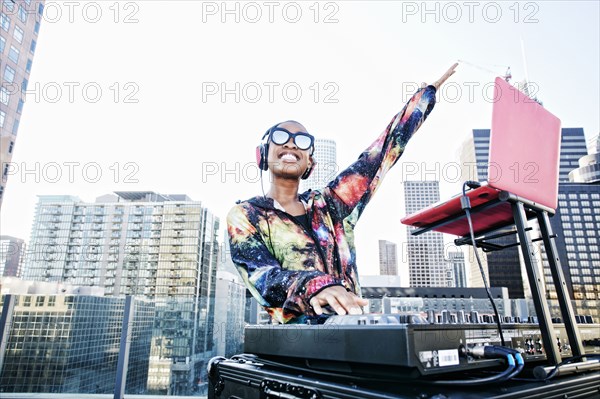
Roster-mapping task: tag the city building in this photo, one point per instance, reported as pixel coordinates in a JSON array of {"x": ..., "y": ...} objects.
[
  {"x": 161, "y": 247},
  {"x": 572, "y": 148},
  {"x": 326, "y": 168},
  {"x": 14, "y": 285},
  {"x": 456, "y": 262},
  {"x": 593, "y": 144},
  {"x": 12, "y": 255},
  {"x": 577, "y": 228},
  {"x": 19, "y": 28},
  {"x": 589, "y": 165},
  {"x": 388, "y": 258},
  {"x": 230, "y": 306},
  {"x": 60, "y": 343},
  {"x": 426, "y": 263}
]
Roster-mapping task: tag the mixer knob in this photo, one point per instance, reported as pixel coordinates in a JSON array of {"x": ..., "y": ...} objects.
[
  {"x": 431, "y": 317},
  {"x": 445, "y": 317}
]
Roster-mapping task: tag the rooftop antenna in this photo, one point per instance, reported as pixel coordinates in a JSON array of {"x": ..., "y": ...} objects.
[
  {"x": 507, "y": 75},
  {"x": 526, "y": 85}
]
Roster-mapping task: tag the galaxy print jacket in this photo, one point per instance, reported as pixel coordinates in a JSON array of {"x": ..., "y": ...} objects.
[{"x": 283, "y": 263}]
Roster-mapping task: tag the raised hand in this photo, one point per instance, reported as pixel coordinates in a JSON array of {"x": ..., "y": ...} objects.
[{"x": 445, "y": 76}]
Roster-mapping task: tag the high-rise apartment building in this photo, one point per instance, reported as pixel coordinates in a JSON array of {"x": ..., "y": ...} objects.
[
  {"x": 12, "y": 255},
  {"x": 162, "y": 247},
  {"x": 19, "y": 28},
  {"x": 427, "y": 266},
  {"x": 326, "y": 168},
  {"x": 388, "y": 258}
]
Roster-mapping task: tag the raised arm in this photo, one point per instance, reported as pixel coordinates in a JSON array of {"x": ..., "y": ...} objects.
[{"x": 353, "y": 188}]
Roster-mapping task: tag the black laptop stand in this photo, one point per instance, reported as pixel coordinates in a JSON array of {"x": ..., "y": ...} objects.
[{"x": 522, "y": 211}]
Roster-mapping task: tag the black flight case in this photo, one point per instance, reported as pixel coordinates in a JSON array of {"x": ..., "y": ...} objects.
[{"x": 249, "y": 377}]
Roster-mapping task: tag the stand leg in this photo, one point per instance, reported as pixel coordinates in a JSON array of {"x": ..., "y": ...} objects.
[
  {"x": 536, "y": 284},
  {"x": 566, "y": 308}
]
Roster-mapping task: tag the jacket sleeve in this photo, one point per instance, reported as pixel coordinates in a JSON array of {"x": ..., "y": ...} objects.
[
  {"x": 285, "y": 293},
  {"x": 352, "y": 189}
]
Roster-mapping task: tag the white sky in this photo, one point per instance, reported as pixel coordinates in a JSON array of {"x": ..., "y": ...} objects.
[{"x": 177, "y": 137}]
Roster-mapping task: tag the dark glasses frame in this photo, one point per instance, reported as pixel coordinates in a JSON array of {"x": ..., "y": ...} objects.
[{"x": 292, "y": 135}]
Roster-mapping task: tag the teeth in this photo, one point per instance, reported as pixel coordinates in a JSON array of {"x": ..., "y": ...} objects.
[{"x": 288, "y": 157}]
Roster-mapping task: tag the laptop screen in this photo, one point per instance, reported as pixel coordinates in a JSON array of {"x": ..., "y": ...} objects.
[{"x": 524, "y": 147}]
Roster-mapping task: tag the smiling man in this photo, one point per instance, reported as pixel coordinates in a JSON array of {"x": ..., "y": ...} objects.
[{"x": 295, "y": 251}]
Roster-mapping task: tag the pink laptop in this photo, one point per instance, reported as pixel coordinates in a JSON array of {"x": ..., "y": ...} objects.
[{"x": 523, "y": 160}]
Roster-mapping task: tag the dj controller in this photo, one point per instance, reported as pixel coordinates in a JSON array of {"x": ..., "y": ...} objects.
[{"x": 408, "y": 344}]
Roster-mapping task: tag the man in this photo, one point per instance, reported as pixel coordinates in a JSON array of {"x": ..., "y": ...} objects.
[{"x": 296, "y": 252}]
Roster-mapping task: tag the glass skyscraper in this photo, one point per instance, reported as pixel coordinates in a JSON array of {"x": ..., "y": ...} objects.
[
  {"x": 572, "y": 148},
  {"x": 70, "y": 344}
]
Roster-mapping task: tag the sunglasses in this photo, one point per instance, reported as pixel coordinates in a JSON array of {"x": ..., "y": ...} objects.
[{"x": 302, "y": 140}]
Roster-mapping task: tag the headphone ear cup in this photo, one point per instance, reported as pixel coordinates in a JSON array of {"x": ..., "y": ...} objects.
[
  {"x": 262, "y": 152},
  {"x": 306, "y": 174}
]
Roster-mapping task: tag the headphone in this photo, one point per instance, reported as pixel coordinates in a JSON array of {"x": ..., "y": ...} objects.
[{"x": 262, "y": 153}]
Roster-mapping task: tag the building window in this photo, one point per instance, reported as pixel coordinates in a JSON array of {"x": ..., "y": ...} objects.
[
  {"x": 4, "y": 21},
  {"x": 2, "y": 116},
  {"x": 32, "y": 47},
  {"x": 39, "y": 301},
  {"x": 4, "y": 96},
  {"x": 28, "y": 66},
  {"x": 18, "y": 34},
  {"x": 20, "y": 106},
  {"x": 24, "y": 85},
  {"x": 10, "y": 147},
  {"x": 9, "y": 74},
  {"x": 9, "y": 5},
  {"x": 15, "y": 127},
  {"x": 36, "y": 29},
  {"x": 27, "y": 301},
  {"x": 2, "y": 44},
  {"x": 22, "y": 14},
  {"x": 13, "y": 54}
]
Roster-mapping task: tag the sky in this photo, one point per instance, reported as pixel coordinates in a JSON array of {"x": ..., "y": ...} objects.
[{"x": 174, "y": 96}]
